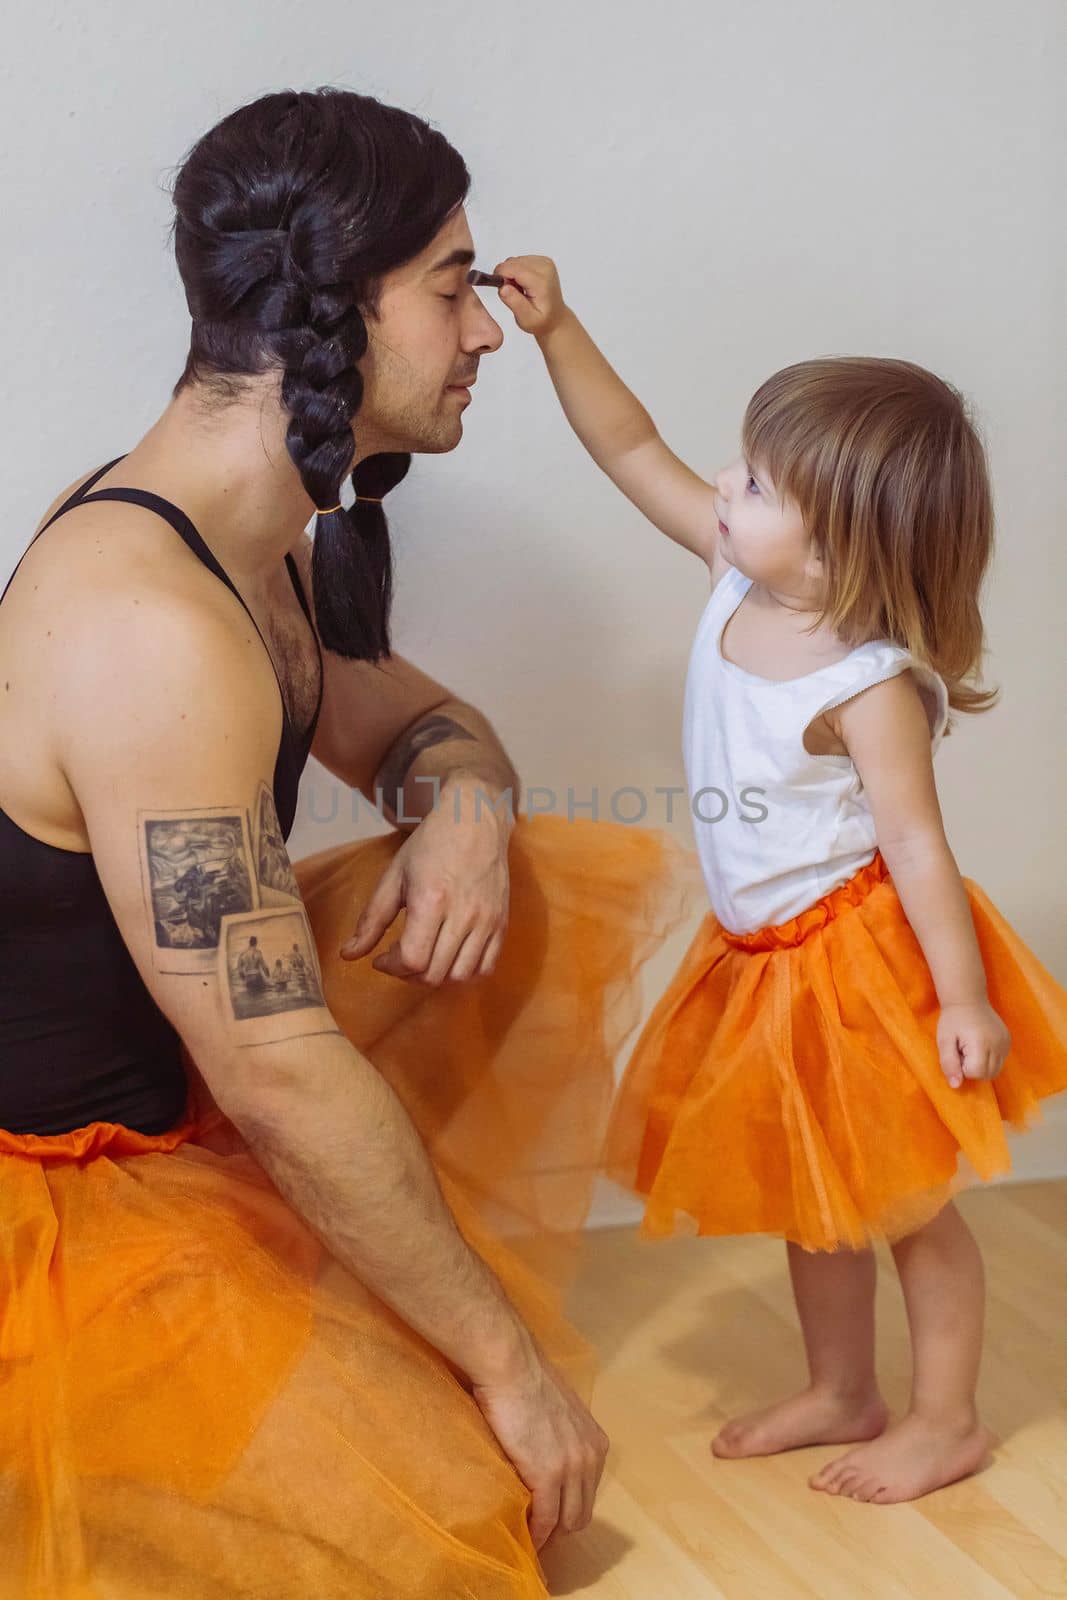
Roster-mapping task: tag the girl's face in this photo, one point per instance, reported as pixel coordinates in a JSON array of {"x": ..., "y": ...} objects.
[{"x": 761, "y": 535}]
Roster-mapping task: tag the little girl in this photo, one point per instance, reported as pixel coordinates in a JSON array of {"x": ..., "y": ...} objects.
[{"x": 834, "y": 1055}]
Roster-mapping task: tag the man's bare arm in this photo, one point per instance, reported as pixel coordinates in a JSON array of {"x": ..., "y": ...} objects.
[
  {"x": 169, "y": 747},
  {"x": 450, "y": 744},
  {"x": 384, "y": 726},
  {"x": 337, "y": 1143}
]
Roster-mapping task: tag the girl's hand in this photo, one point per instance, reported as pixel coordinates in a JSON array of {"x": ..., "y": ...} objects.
[
  {"x": 973, "y": 1042},
  {"x": 537, "y": 304}
]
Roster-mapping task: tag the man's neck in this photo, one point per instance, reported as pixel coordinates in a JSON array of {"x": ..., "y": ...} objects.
[{"x": 228, "y": 468}]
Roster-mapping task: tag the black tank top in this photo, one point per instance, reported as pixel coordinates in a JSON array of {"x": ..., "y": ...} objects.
[{"x": 81, "y": 1039}]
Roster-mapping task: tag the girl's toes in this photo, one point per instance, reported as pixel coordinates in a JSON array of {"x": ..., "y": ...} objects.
[
  {"x": 829, "y": 1476},
  {"x": 726, "y": 1441}
]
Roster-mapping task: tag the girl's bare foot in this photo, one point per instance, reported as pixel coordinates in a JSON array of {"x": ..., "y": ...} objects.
[
  {"x": 915, "y": 1457},
  {"x": 816, "y": 1416}
]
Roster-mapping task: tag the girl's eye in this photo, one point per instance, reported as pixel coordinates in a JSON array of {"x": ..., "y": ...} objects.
[
  {"x": 450, "y": 297},
  {"x": 752, "y": 486}
]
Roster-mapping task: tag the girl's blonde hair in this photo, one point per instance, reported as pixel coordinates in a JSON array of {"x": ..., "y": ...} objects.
[{"x": 891, "y": 479}]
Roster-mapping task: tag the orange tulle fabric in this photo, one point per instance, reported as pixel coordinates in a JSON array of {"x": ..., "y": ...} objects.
[
  {"x": 197, "y": 1402},
  {"x": 788, "y": 1082}
]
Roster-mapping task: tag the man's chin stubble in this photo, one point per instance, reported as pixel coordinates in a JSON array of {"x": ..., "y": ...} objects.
[{"x": 440, "y": 441}]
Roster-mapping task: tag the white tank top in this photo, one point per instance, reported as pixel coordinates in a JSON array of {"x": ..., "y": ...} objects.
[{"x": 777, "y": 827}]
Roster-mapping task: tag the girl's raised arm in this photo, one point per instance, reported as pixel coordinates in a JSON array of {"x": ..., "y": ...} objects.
[{"x": 610, "y": 421}]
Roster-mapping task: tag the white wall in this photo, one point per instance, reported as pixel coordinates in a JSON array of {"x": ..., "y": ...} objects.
[{"x": 726, "y": 188}]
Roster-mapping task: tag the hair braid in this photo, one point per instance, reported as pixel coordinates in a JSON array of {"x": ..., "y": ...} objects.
[{"x": 289, "y": 213}]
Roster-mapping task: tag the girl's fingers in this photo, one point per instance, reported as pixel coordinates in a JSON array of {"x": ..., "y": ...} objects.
[
  {"x": 977, "y": 1061},
  {"x": 526, "y": 278},
  {"x": 516, "y": 293},
  {"x": 950, "y": 1064}
]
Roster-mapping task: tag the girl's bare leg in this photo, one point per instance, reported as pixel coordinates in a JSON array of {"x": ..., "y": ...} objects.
[
  {"x": 941, "y": 1438},
  {"x": 834, "y": 1295}
]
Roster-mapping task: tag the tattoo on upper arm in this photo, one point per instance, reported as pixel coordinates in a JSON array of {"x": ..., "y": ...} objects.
[
  {"x": 196, "y": 869},
  {"x": 273, "y": 867},
  {"x": 269, "y": 977},
  {"x": 204, "y": 865},
  {"x": 218, "y": 906},
  {"x": 430, "y": 730}
]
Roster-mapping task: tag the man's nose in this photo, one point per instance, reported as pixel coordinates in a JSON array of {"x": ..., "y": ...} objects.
[{"x": 485, "y": 334}]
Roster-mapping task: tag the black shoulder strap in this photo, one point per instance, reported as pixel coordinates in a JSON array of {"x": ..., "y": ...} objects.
[
  {"x": 294, "y": 574},
  {"x": 178, "y": 520},
  {"x": 189, "y": 534},
  {"x": 79, "y": 494},
  {"x": 71, "y": 500}
]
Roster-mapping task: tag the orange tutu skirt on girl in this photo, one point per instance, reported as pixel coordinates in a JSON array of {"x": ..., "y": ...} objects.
[
  {"x": 789, "y": 1083},
  {"x": 198, "y": 1402}
]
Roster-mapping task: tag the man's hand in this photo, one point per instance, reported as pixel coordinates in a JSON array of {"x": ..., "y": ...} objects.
[
  {"x": 452, "y": 876},
  {"x": 972, "y": 1041},
  {"x": 552, "y": 1441},
  {"x": 537, "y": 305}
]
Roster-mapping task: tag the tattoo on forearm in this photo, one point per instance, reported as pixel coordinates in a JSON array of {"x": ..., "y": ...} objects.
[
  {"x": 196, "y": 868},
  {"x": 273, "y": 867},
  {"x": 434, "y": 729}
]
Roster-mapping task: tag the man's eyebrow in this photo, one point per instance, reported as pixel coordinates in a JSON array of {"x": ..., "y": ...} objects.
[{"x": 458, "y": 258}]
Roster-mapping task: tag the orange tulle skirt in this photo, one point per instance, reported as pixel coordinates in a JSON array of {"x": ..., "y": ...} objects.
[
  {"x": 197, "y": 1402},
  {"x": 788, "y": 1082}
]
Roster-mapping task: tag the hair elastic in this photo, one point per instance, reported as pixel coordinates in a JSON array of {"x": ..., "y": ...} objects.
[{"x": 361, "y": 500}]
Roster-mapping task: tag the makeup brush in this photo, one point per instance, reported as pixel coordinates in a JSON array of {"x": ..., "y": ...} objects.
[{"x": 492, "y": 280}]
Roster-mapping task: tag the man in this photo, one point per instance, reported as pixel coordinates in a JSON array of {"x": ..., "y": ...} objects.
[{"x": 139, "y": 697}]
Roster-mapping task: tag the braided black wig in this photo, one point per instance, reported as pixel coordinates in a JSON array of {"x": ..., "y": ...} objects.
[{"x": 288, "y": 214}]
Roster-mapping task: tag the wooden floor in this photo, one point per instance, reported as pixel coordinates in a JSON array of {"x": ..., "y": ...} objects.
[{"x": 692, "y": 1331}]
